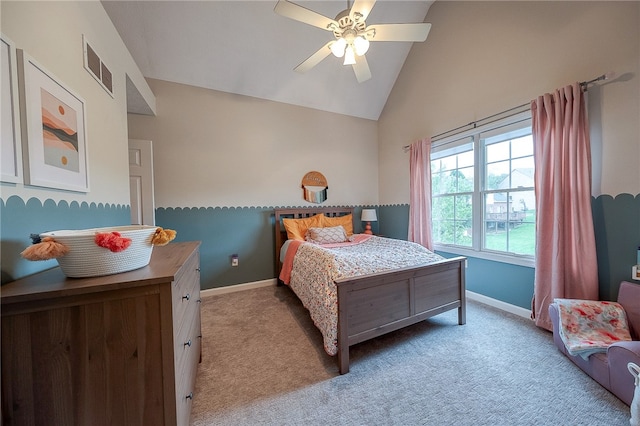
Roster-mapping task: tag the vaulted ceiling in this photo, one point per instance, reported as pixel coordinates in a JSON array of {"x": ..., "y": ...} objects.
[{"x": 244, "y": 47}]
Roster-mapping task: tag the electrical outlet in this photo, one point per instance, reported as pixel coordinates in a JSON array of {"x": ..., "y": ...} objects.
[{"x": 234, "y": 260}]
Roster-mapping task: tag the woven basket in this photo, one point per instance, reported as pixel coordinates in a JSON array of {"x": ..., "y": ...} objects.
[{"x": 86, "y": 259}]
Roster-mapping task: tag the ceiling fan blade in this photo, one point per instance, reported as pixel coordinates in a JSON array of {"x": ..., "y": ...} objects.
[
  {"x": 361, "y": 68},
  {"x": 400, "y": 32},
  {"x": 362, "y": 6},
  {"x": 314, "y": 59},
  {"x": 302, "y": 14}
]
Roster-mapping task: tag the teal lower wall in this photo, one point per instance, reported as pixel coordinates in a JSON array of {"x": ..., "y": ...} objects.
[
  {"x": 506, "y": 282},
  {"x": 394, "y": 221},
  {"x": 617, "y": 229},
  {"x": 249, "y": 233},
  {"x": 225, "y": 231},
  {"x": 18, "y": 220}
]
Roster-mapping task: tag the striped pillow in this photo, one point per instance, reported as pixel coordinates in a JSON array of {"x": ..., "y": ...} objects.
[{"x": 329, "y": 235}]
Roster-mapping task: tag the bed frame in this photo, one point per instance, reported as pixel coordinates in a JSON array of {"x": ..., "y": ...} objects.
[{"x": 375, "y": 304}]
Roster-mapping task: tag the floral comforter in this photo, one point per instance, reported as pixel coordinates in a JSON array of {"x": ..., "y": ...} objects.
[
  {"x": 589, "y": 326},
  {"x": 315, "y": 268}
]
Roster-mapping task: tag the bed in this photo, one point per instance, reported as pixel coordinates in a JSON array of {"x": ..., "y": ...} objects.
[{"x": 373, "y": 304}]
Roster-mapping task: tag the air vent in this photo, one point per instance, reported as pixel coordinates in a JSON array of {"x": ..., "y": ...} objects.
[{"x": 94, "y": 65}]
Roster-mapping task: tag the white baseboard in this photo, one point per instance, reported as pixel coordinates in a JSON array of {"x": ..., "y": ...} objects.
[
  {"x": 237, "y": 287},
  {"x": 516, "y": 310}
]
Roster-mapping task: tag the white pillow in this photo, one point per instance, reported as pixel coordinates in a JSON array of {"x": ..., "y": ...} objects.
[{"x": 329, "y": 235}]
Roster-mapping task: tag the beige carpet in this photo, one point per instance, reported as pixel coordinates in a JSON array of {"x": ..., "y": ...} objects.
[{"x": 263, "y": 364}]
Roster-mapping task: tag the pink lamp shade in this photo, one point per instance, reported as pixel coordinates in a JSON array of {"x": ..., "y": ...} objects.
[{"x": 368, "y": 215}]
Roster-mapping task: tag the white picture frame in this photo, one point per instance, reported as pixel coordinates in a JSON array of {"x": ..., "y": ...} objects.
[
  {"x": 54, "y": 118},
  {"x": 11, "y": 138}
]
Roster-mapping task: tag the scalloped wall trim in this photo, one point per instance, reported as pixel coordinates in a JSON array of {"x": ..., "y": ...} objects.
[
  {"x": 19, "y": 219},
  {"x": 62, "y": 203}
]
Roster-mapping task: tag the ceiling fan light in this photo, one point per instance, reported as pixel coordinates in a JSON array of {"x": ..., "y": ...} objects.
[
  {"x": 349, "y": 56},
  {"x": 337, "y": 48},
  {"x": 361, "y": 45}
]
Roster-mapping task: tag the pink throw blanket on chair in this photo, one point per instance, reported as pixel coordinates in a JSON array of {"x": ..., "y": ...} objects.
[{"x": 590, "y": 326}]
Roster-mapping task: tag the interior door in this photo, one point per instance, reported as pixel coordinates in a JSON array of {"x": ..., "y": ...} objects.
[{"x": 141, "y": 182}]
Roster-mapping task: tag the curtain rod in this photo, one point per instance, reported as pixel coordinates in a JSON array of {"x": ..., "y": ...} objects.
[
  {"x": 473, "y": 124},
  {"x": 583, "y": 84},
  {"x": 606, "y": 76}
]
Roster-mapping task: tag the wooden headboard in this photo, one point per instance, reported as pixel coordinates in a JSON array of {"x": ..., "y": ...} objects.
[{"x": 300, "y": 213}]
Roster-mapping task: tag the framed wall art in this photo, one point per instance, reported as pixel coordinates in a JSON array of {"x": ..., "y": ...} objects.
[
  {"x": 56, "y": 145},
  {"x": 11, "y": 148}
]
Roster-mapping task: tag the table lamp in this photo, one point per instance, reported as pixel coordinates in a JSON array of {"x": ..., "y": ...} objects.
[{"x": 368, "y": 215}]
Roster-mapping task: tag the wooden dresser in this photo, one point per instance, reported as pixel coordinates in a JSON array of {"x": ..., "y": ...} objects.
[{"x": 115, "y": 350}]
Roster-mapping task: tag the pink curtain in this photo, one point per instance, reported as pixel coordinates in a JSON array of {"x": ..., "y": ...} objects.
[
  {"x": 566, "y": 263},
  {"x": 420, "y": 196}
]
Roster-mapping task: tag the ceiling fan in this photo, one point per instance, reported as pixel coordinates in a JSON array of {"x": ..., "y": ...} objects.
[{"x": 352, "y": 35}]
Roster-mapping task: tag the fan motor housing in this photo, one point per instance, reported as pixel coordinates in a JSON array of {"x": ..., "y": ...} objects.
[{"x": 345, "y": 22}]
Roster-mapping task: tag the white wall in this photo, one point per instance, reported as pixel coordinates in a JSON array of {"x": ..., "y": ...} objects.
[
  {"x": 482, "y": 58},
  {"x": 215, "y": 149},
  {"x": 51, "y": 33}
]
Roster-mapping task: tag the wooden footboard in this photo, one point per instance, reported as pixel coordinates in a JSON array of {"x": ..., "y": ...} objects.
[{"x": 372, "y": 305}]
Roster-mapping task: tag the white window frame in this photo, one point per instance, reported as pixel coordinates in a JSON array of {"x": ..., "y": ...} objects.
[{"x": 517, "y": 120}]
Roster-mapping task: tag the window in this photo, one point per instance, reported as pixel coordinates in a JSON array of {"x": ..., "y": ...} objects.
[
  {"x": 483, "y": 191},
  {"x": 452, "y": 186}
]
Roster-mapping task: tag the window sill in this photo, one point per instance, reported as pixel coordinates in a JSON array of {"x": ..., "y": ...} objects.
[{"x": 527, "y": 261}]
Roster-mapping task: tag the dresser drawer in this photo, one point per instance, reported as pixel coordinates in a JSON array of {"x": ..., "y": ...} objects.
[
  {"x": 186, "y": 290},
  {"x": 187, "y": 336},
  {"x": 185, "y": 319},
  {"x": 186, "y": 369}
]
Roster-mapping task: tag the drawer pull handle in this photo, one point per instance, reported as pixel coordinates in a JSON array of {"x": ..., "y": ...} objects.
[
  {"x": 190, "y": 396},
  {"x": 188, "y": 343},
  {"x": 187, "y": 296}
]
